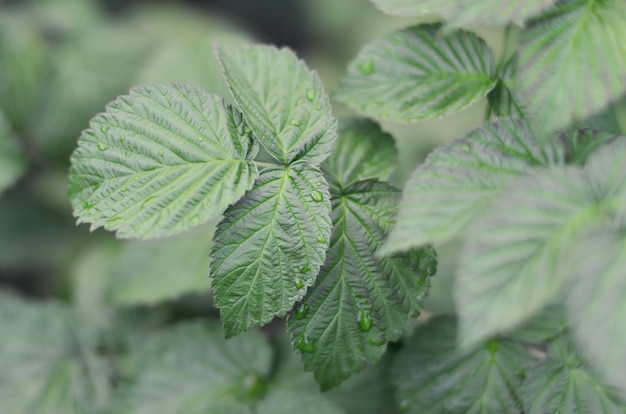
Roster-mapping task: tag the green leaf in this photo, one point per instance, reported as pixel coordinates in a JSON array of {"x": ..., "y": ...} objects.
[
  {"x": 505, "y": 99},
  {"x": 572, "y": 61},
  {"x": 545, "y": 325},
  {"x": 359, "y": 301},
  {"x": 282, "y": 100},
  {"x": 417, "y": 74},
  {"x": 595, "y": 301},
  {"x": 444, "y": 8},
  {"x": 578, "y": 144},
  {"x": 191, "y": 369},
  {"x": 290, "y": 402},
  {"x": 270, "y": 246},
  {"x": 433, "y": 376},
  {"x": 147, "y": 272},
  {"x": 362, "y": 151},
  {"x": 564, "y": 383},
  {"x": 514, "y": 256},
  {"x": 48, "y": 364},
  {"x": 458, "y": 181},
  {"x": 12, "y": 164},
  {"x": 159, "y": 161}
]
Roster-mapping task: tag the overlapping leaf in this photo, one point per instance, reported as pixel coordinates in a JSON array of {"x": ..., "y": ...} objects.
[
  {"x": 282, "y": 100},
  {"x": 362, "y": 151},
  {"x": 513, "y": 261},
  {"x": 147, "y": 272},
  {"x": 505, "y": 99},
  {"x": 12, "y": 164},
  {"x": 270, "y": 246},
  {"x": 359, "y": 301},
  {"x": 457, "y": 182},
  {"x": 191, "y": 369},
  {"x": 433, "y": 376},
  {"x": 572, "y": 61},
  {"x": 564, "y": 383},
  {"x": 48, "y": 364},
  {"x": 159, "y": 161},
  {"x": 418, "y": 73}
]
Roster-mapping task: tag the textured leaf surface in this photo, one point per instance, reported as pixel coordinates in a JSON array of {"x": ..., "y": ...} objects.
[
  {"x": 444, "y": 8},
  {"x": 573, "y": 61},
  {"x": 362, "y": 151},
  {"x": 147, "y": 272},
  {"x": 191, "y": 369},
  {"x": 513, "y": 262},
  {"x": 418, "y": 73},
  {"x": 283, "y": 101},
  {"x": 434, "y": 376},
  {"x": 505, "y": 99},
  {"x": 289, "y": 402},
  {"x": 48, "y": 364},
  {"x": 359, "y": 301},
  {"x": 159, "y": 161},
  {"x": 270, "y": 246},
  {"x": 564, "y": 383},
  {"x": 458, "y": 181},
  {"x": 12, "y": 165}
]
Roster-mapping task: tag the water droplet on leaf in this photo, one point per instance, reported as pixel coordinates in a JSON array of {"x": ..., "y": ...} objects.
[
  {"x": 306, "y": 345},
  {"x": 317, "y": 196},
  {"x": 367, "y": 67},
  {"x": 102, "y": 146},
  {"x": 299, "y": 283},
  {"x": 310, "y": 94},
  {"x": 104, "y": 129},
  {"x": 200, "y": 139},
  {"x": 467, "y": 148},
  {"x": 364, "y": 318},
  {"x": 321, "y": 239},
  {"x": 295, "y": 122},
  {"x": 318, "y": 107},
  {"x": 301, "y": 312},
  {"x": 306, "y": 269}
]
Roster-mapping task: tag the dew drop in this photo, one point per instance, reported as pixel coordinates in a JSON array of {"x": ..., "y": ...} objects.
[
  {"x": 301, "y": 312},
  {"x": 102, "y": 146},
  {"x": 104, "y": 129},
  {"x": 200, "y": 139},
  {"x": 364, "y": 318},
  {"x": 321, "y": 239},
  {"x": 122, "y": 139},
  {"x": 295, "y": 122},
  {"x": 306, "y": 269},
  {"x": 305, "y": 344},
  {"x": 123, "y": 189},
  {"x": 310, "y": 94},
  {"x": 299, "y": 283},
  {"x": 367, "y": 67},
  {"x": 161, "y": 154},
  {"x": 467, "y": 148},
  {"x": 87, "y": 205},
  {"x": 377, "y": 342},
  {"x": 318, "y": 107},
  {"x": 317, "y": 196}
]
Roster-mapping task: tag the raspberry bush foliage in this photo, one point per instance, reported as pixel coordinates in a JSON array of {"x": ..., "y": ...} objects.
[{"x": 287, "y": 214}]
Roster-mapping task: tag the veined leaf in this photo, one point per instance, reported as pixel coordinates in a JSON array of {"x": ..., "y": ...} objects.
[
  {"x": 48, "y": 364},
  {"x": 362, "y": 151},
  {"x": 282, "y": 100},
  {"x": 191, "y": 369},
  {"x": 418, "y": 73},
  {"x": 270, "y": 246},
  {"x": 12, "y": 164},
  {"x": 572, "y": 61},
  {"x": 159, "y": 161},
  {"x": 443, "y": 8},
  {"x": 433, "y": 376},
  {"x": 578, "y": 144},
  {"x": 505, "y": 99},
  {"x": 359, "y": 301},
  {"x": 457, "y": 181},
  {"x": 146, "y": 272},
  {"x": 289, "y": 402},
  {"x": 497, "y": 12},
  {"x": 564, "y": 383}
]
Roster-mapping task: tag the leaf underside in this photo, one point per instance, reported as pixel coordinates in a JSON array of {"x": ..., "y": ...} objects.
[
  {"x": 418, "y": 74},
  {"x": 159, "y": 161},
  {"x": 270, "y": 246}
]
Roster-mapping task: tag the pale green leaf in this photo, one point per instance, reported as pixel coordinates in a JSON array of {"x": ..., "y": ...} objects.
[
  {"x": 418, "y": 73},
  {"x": 12, "y": 164},
  {"x": 545, "y": 325},
  {"x": 270, "y": 246},
  {"x": 48, "y": 364},
  {"x": 290, "y": 402},
  {"x": 282, "y": 100},
  {"x": 513, "y": 258},
  {"x": 362, "y": 151},
  {"x": 578, "y": 144},
  {"x": 564, "y": 383},
  {"x": 359, "y": 301},
  {"x": 505, "y": 99},
  {"x": 159, "y": 161},
  {"x": 572, "y": 61},
  {"x": 433, "y": 376},
  {"x": 147, "y": 272},
  {"x": 444, "y": 8},
  {"x": 458, "y": 181},
  {"x": 191, "y": 369}
]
